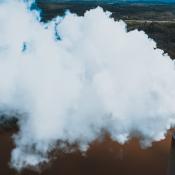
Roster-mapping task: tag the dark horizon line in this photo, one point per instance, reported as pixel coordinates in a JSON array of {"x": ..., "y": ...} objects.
[{"x": 111, "y": 1}]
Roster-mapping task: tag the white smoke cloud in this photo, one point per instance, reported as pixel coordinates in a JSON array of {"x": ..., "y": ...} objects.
[{"x": 96, "y": 77}]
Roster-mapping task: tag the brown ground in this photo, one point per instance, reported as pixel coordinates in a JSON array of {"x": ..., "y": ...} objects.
[{"x": 103, "y": 158}]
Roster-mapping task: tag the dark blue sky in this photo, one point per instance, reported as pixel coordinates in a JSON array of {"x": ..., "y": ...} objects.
[{"x": 114, "y": 0}]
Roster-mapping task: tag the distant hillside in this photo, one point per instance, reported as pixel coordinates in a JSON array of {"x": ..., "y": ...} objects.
[{"x": 157, "y": 20}]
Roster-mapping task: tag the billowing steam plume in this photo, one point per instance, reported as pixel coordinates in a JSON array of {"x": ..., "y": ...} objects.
[{"x": 74, "y": 77}]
